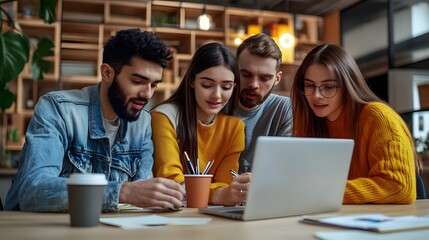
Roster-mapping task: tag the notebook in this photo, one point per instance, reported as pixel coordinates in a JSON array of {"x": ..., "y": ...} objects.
[{"x": 293, "y": 176}]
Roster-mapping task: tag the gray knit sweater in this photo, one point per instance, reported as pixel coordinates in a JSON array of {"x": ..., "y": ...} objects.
[{"x": 272, "y": 118}]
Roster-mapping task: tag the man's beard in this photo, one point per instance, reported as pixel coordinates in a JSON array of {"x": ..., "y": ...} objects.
[
  {"x": 119, "y": 103},
  {"x": 252, "y": 103}
]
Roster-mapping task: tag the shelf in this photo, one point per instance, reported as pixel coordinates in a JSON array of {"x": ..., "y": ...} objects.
[
  {"x": 165, "y": 14},
  {"x": 203, "y": 37},
  {"x": 308, "y": 28},
  {"x": 130, "y": 13},
  {"x": 170, "y": 30},
  {"x": 192, "y": 11},
  {"x": 46, "y": 77},
  {"x": 87, "y": 25},
  {"x": 14, "y": 147},
  {"x": 216, "y": 34},
  {"x": 8, "y": 171},
  {"x": 271, "y": 18},
  {"x": 35, "y": 30},
  {"x": 305, "y": 42},
  {"x": 162, "y": 3},
  {"x": 86, "y": 54},
  {"x": 183, "y": 56},
  {"x": 80, "y": 79},
  {"x": 238, "y": 20},
  {"x": 83, "y": 11},
  {"x": 36, "y": 22},
  {"x": 178, "y": 39},
  {"x": 80, "y": 33},
  {"x": 77, "y": 38},
  {"x": 110, "y": 30},
  {"x": 82, "y": 46}
]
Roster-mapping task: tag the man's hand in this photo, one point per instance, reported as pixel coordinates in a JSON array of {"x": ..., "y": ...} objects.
[{"x": 154, "y": 192}]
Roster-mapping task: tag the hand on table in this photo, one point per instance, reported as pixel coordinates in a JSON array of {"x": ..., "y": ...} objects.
[{"x": 154, "y": 192}]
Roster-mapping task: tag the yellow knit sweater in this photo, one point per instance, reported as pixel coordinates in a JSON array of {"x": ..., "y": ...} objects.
[
  {"x": 382, "y": 167},
  {"x": 222, "y": 141}
]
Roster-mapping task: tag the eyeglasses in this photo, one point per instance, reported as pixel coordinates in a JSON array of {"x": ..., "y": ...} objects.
[{"x": 326, "y": 90}]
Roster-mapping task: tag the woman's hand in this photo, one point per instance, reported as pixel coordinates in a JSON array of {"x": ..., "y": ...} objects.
[{"x": 236, "y": 193}]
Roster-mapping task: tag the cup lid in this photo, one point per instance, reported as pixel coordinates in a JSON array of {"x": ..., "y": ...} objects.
[{"x": 87, "y": 179}]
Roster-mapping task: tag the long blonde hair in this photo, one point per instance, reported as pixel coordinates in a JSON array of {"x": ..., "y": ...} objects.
[{"x": 355, "y": 93}]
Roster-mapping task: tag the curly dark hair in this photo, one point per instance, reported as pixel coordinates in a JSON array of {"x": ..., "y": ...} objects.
[{"x": 130, "y": 43}]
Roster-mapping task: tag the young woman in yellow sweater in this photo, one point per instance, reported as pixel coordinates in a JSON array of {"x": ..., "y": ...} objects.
[
  {"x": 191, "y": 120},
  {"x": 331, "y": 99}
]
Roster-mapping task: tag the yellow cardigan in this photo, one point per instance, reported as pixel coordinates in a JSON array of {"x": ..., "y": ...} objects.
[
  {"x": 382, "y": 168},
  {"x": 222, "y": 141}
]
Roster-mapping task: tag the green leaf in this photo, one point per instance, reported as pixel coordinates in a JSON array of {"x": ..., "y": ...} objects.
[
  {"x": 3, "y": 85},
  {"x": 7, "y": 19},
  {"x": 40, "y": 65},
  {"x": 15, "y": 50},
  {"x": 6, "y": 99},
  {"x": 47, "y": 10},
  {"x": 14, "y": 54}
]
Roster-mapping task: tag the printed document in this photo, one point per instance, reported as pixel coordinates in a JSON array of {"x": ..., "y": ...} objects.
[{"x": 371, "y": 222}]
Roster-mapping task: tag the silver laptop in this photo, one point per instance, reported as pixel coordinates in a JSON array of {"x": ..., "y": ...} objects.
[{"x": 293, "y": 176}]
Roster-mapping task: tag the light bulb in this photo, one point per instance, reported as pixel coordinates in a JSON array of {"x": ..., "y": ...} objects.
[
  {"x": 286, "y": 40},
  {"x": 237, "y": 41},
  {"x": 204, "y": 21}
]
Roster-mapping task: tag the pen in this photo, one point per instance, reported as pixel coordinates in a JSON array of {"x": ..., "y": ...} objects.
[
  {"x": 234, "y": 173},
  {"x": 208, "y": 166},
  {"x": 189, "y": 164},
  {"x": 197, "y": 170}
]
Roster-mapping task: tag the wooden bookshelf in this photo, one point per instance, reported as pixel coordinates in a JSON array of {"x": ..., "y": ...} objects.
[{"x": 83, "y": 27}]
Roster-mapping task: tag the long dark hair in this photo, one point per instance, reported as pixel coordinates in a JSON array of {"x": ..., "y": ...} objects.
[
  {"x": 355, "y": 93},
  {"x": 207, "y": 56}
]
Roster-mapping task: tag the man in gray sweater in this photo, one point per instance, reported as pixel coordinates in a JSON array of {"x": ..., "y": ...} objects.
[{"x": 264, "y": 113}]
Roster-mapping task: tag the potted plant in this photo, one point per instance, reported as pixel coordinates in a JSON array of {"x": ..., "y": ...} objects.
[
  {"x": 15, "y": 50},
  {"x": 14, "y": 54}
]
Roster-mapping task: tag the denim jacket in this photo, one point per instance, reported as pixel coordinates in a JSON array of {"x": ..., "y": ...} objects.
[{"x": 67, "y": 135}]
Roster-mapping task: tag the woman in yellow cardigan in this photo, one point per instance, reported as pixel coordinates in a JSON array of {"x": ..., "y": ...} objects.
[
  {"x": 331, "y": 99},
  {"x": 191, "y": 120}
]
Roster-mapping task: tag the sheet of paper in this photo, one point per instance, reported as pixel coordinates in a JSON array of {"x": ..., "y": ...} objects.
[
  {"x": 363, "y": 235},
  {"x": 131, "y": 208},
  {"x": 373, "y": 222},
  {"x": 152, "y": 220}
]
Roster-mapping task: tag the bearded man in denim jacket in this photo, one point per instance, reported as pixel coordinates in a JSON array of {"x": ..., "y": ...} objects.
[{"x": 98, "y": 129}]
